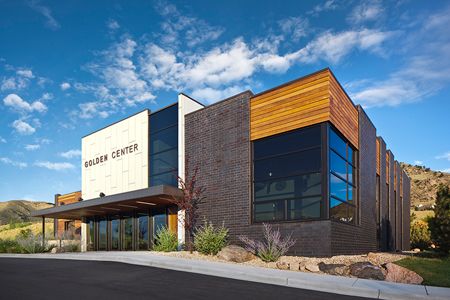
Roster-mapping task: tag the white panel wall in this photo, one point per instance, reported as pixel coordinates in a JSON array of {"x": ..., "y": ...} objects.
[
  {"x": 185, "y": 106},
  {"x": 125, "y": 147}
]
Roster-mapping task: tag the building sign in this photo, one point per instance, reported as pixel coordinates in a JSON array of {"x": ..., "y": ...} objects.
[{"x": 115, "y": 159}]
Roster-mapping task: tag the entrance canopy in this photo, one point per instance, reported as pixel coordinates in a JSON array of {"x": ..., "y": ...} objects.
[{"x": 114, "y": 204}]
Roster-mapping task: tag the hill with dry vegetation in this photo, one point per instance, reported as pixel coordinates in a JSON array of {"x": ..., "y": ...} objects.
[
  {"x": 17, "y": 211},
  {"x": 424, "y": 184}
]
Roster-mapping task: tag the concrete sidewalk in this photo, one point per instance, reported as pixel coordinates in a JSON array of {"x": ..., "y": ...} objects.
[{"x": 318, "y": 282}]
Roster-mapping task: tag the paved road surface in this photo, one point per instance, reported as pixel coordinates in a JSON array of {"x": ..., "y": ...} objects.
[{"x": 22, "y": 278}]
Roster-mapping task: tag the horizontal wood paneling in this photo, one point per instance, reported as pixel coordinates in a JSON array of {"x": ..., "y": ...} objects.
[
  {"x": 344, "y": 114},
  {"x": 310, "y": 100},
  {"x": 378, "y": 155}
]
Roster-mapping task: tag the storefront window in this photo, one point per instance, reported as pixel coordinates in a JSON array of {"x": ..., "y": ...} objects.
[{"x": 287, "y": 181}]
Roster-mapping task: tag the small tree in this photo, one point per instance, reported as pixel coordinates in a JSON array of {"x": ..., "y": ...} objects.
[
  {"x": 420, "y": 235},
  {"x": 192, "y": 196},
  {"x": 440, "y": 223}
]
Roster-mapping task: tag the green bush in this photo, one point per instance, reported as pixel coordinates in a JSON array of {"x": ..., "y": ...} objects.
[
  {"x": 420, "y": 235},
  {"x": 30, "y": 243},
  {"x": 10, "y": 246},
  {"x": 440, "y": 223},
  {"x": 166, "y": 240},
  {"x": 209, "y": 239}
]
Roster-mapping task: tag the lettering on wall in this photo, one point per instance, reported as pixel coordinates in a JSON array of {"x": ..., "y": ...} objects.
[{"x": 113, "y": 155}]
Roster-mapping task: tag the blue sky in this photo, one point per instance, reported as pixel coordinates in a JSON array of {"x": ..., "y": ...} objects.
[{"x": 68, "y": 68}]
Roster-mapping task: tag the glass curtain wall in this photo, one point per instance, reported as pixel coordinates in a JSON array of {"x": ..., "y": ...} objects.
[
  {"x": 287, "y": 181},
  {"x": 164, "y": 147},
  {"x": 342, "y": 178}
]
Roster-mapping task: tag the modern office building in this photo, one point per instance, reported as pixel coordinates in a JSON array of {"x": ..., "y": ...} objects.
[{"x": 301, "y": 156}]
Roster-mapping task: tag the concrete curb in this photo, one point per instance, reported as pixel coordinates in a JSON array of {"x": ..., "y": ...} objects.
[{"x": 317, "y": 282}]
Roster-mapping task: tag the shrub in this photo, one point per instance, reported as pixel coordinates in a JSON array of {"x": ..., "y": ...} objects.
[
  {"x": 72, "y": 247},
  {"x": 31, "y": 243},
  {"x": 420, "y": 235},
  {"x": 273, "y": 246},
  {"x": 166, "y": 240},
  {"x": 440, "y": 223},
  {"x": 209, "y": 239},
  {"x": 9, "y": 246}
]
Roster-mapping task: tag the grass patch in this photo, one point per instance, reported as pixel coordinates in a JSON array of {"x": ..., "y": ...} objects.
[
  {"x": 423, "y": 214},
  {"x": 11, "y": 233},
  {"x": 435, "y": 271}
]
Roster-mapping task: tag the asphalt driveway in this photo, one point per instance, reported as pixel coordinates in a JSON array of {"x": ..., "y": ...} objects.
[{"x": 22, "y": 278}]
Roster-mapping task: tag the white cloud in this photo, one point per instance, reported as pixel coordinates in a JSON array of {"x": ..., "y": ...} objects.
[
  {"x": 423, "y": 74},
  {"x": 25, "y": 73},
  {"x": 113, "y": 25},
  {"x": 50, "y": 21},
  {"x": 2, "y": 140},
  {"x": 71, "y": 153},
  {"x": 13, "y": 83},
  {"x": 55, "y": 166},
  {"x": 65, "y": 86},
  {"x": 295, "y": 27},
  {"x": 366, "y": 11},
  {"x": 444, "y": 156},
  {"x": 418, "y": 163},
  {"x": 178, "y": 29},
  {"x": 18, "y": 104},
  {"x": 326, "y": 6},
  {"x": 23, "y": 127},
  {"x": 13, "y": 163},
  {"x": 446, "y": 170},
  {"x": 32, "y": 147}
]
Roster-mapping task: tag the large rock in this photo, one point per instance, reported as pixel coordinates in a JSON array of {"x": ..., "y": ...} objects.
[
  {"x": 334, "y": 269},
  {"x": 235, "y": 253},
  {"x": 366, "y": 270},
  {"x": 312, "y": 267},
  {"x": 399, "y": 274},
  {"x": 283, "y": 265}
]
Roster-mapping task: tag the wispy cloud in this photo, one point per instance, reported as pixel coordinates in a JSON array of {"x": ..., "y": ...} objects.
[
  {"x": 2, "y": 140},
  {"x": 112, "y": 24},
  {"x": 71, "y": 154},
  {"x": 55, "y": 166},
  {"x": 328, "y": 5},
  {"x": 32, "y": 147},
  {"x": 64, "y": 86},
  {"x": 424, "y": 72},
  {"x": 365, "y": 12},
  {"x": 8, "y": 161},
  {"x": 418, "y": 163},
  {"x": 444, "y": 156},
  {"x": 50, "y": 21}
]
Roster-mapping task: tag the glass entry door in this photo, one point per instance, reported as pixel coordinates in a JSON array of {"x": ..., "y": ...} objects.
[
  {"x": 103, "y": 234},
  {"x": 128, "y": 228},
  {"x": 115, "y": 234}
]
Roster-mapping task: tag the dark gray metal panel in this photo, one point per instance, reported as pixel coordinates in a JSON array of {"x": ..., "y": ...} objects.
[{"x": 160, "y": 190}]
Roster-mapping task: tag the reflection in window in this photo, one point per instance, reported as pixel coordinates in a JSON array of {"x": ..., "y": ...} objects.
[
  {"x": 342, "y": 179},
  {"x": 102, "y": 234},
  {"x": 127, "y": 233},
  {"x": 115, "y": 231},
  {"x": 164, "y": 147},
  {"x": 91, "y": 237},
  {"x": 287, "y": 176},
  {"x": 159, "y": 222},
  {"x": 143, "y": 231}
]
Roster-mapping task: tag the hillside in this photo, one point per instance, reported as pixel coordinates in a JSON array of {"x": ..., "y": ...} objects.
[
  {"x": 19, "y": 210},
  {"x": 424, "y": 183}
]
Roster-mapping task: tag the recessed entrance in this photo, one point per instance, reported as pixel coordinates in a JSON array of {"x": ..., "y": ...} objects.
[{"x": 129, "y": 231}]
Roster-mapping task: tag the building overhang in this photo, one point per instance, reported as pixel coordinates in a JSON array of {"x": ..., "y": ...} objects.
[{"x": 142, "y": 199}]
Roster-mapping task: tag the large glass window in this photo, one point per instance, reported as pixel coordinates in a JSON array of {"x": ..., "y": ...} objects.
[
  {"x": 127, "y": 240},
  {"x": 287, "y": 181},
  {"x": 342, "y": 179},
  {"x": 115, "y": 233},
  {"x": 143, "y": 231},
  {"x": 159, "y": 219},
  {"x": 91, "y": 235},
  {"x": 164, "y": 146},
  {"x": 102, "y": 234}
]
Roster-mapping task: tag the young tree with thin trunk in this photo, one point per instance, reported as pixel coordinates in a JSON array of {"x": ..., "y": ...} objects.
[{"x": 192, "y": 196}]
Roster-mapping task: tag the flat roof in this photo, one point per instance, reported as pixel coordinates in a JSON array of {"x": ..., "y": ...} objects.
[{"x": 114, "y": 204}]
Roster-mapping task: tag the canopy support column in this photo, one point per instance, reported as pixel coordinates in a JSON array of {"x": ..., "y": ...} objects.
[{"x": 43, "y": 231}]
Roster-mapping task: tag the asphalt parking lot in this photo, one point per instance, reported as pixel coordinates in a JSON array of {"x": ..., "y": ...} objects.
[{"x": 22, "y": 278}]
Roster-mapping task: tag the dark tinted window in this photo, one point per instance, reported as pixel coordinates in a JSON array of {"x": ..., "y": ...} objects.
[
  {"x": 288, "y": 142},
  {"x": 287, "y": 179},
  {"x": 169, "y": 178},
  {"x": 164, "y": 140},
  {"x": 338, "y": 165},
  {"x": 163, "y": 118},
  {"x": 164, "y": 162},
  {"x": 338, "y": 144},
  {"x": 288, "y": 165},
  {"x": 338, "y": 187}
]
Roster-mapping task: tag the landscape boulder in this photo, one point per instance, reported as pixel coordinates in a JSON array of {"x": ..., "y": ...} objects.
[
  {"x": 311, "y": 267},
  {"x": 283, "y": 265},
  {"x": 367, "y": 270},
  {"x": 334, "y": 269},
  {"x": 400, "y": 274},
  {"x": 57, "y": 250},
  {"x": 235, "y": 253}
]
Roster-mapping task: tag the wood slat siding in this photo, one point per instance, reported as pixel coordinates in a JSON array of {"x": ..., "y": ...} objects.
[
  {"x": 378, "y": 155},
  {"x": 310, "y": 100},
  {"x": 387, "y": 167},
  {"x": 67, "y": 199},
  {"x": 173, "y": 219}
]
